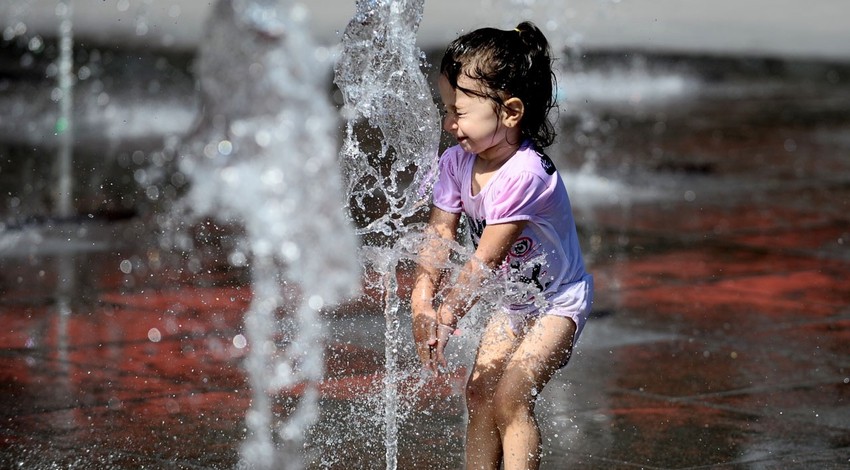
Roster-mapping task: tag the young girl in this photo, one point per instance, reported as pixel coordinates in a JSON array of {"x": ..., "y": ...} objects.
[{"x": 496, "y": 87}]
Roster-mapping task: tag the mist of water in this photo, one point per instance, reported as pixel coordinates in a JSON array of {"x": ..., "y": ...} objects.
[{"x": 263, "y": 157}]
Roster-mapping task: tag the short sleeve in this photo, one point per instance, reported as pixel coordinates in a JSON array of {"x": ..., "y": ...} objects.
[
  {"x": 447, "y": 195},
  {"x": 521, "y": 197}
]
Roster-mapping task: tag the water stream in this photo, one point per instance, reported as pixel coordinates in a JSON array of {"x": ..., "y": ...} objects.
[
  {"x": 381, "y": 82},
  {"x": 262, "y": 157},
  {"x": 64, "y": 129}
]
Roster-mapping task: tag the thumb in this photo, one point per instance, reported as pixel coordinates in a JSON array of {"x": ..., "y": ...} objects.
[
  {"x": 444, "y": 332},
  {"x": 433, "y": 335}
]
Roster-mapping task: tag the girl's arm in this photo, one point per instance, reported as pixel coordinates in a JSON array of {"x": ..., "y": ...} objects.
[
  {"x": 493, "y": 248},
  {"x": 433, "y": 255}
]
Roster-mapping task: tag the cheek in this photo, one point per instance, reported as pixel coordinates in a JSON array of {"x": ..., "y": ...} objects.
[{"x": 447, "y": 123}]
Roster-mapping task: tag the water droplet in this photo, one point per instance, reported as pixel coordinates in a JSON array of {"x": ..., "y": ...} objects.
[
  {"x": 262, "y": 138},
  {"x": 36, "y": 44},
  {"x": 272, "y": 177},
  {"x": 237, "y": 259},
  {"x": 84, "y": 72},
  {"x": 239, "y": 341},
  {"x": 316, "y": 302},
  {"x": 790, "y": 145},
  {"x": 225, "y": 147},
  {"x": 61, "y": 125},
  {"x": 290, "y": 251},
  {"x": 154, "y": 335},
  {"x": 126, "y": 266}
]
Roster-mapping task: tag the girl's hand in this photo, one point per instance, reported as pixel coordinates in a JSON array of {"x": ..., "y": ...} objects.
[
  {"x": 446, "y": 327},
  {"x": 444, "y": 332},
  {"x": 425, "y": 336},
  {"x": 433, "y": 255}
]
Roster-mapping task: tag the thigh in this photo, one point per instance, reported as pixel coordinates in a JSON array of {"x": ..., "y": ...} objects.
[
  {"x": 494, "y": 350},
  {"x": 543, "y": 350}
]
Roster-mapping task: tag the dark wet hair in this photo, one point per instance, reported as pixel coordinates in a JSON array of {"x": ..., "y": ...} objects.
[{"x": 515, "y": 63}]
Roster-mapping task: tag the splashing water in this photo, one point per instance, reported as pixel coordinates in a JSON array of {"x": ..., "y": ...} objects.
[
  {"x": 381, "y": 82},
  {"x": 262, "y": 157},
  {"x": 380, "y": 78}
]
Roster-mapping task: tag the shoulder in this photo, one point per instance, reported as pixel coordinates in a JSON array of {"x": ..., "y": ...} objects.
[
  {"x": 455, "y": 161},
  {"x": 456, "y": 154},
  {"x": 529, "y": 159},
  {"x": 531, "y": 175}
]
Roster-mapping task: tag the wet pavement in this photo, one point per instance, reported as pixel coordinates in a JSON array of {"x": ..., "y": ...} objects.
[{"x": 720, "y": 242}]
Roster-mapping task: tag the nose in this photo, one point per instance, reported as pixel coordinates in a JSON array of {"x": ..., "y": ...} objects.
[{"x": 449, "y": 123}]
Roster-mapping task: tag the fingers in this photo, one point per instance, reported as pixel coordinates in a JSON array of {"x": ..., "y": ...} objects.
[
  {"x": 444, "y": 332},
  {"x": 424, "y": 353},
  {"x": 425, "y": 338},
  {"x": 423, "y": 326},
  {"x": 433, "y": 344},
  {"x": 431, "y": 339},
  {"x": 431, "y": 351}
]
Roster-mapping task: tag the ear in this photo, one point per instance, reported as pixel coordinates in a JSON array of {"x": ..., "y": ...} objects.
[{"x": 512, "y": 112}]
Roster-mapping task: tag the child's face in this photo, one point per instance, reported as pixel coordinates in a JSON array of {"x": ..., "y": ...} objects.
[{"x": 472, "y": 120}]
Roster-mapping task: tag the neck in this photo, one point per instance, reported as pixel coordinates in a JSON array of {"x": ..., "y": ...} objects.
[
  {"x": 497, "y": 155},
  {"x": 505, "y": 149}
]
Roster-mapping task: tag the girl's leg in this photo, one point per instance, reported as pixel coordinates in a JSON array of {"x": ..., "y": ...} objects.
[
  {"x": 483, "y": 441},
  {"x": 537, "y": 357}
]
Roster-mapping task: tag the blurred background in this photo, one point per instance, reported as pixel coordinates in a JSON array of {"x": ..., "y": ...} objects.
[
  {"x": 775, "y": 28},
  {"x": 133, "y": 83}
]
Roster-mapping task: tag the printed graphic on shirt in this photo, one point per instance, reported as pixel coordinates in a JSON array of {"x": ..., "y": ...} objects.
[
  {"x": 526, "y": 265},
  {"x": 476, "y": 229},
  {"x": 547, "y": 163},
  {"x": 523, "y": 263}
]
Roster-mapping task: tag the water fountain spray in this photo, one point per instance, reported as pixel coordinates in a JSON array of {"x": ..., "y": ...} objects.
[
  {"x": 263, "y": 157},
  {"x": 381, "y": 82},
  {"x": 64, "y": 125}
]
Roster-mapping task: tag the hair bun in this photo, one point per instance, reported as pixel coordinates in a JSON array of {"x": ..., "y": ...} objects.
[{"x": 531, "y": 36}]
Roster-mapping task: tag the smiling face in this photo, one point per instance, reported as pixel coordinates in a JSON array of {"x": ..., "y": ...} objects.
[{"x": 475, "y": 122}]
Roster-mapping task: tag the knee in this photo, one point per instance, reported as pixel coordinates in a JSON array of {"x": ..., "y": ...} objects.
[
  {"x": 511, "y": 405},
  {"x": 478, "y": 395}
]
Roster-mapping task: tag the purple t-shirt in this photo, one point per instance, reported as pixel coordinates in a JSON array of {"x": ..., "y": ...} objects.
[{"x": 546, "y": 255}]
